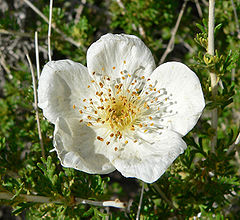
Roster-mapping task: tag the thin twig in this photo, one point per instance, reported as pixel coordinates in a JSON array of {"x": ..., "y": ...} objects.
[
  {"x": 120, "y": 4},
  {"x": 205, "y": 3},
  {"x": 4, "y": 65},
  {"x": 49, "y": 30},
  {"x": 164, "y": 197},
  {"x": 37, "y": 55},
  {"x": 170, "y": 45},
  {"x": 186, "y": 45},
  {"x": 62, "y": 35},
  {"x": 140, "y": 27},
  {"x": 198, "y": 8},
  {"x": 236, "y": 18},
  {"x": 15, "y": 33},
  {"x": 236, "y": 142},
  {"x": 233, "y": 74},
  {"x": 35, "y": 106},
  {"x": 79, "y": 11},
  {"x": 140, "y": 202},
  {"x": 213, "y": 76},
  {"x": 44, "y": 199}
]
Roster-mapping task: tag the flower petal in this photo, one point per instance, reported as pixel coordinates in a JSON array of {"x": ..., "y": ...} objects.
[
  {"x": 112, "y": 54},
  {"x": 75, "y": 146},
  {"x": 61, "y": 86},
  {"x": 184, "y": 88},
  {"x": 149, "y": 159}
]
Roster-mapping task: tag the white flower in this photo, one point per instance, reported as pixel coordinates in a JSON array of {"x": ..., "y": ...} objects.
[{"x": 120, "y": 112}]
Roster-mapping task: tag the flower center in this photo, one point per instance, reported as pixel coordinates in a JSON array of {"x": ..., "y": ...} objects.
[
  {"x": 124, "y": 107},
  {"x": 121, "y": 113}
]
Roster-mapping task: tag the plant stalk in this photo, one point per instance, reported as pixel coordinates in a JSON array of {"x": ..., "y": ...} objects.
[{"x": 213, "y": 76}]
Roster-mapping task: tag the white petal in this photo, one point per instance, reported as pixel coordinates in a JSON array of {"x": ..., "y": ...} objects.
[
  {"x": 75, "y": 146},
  {"x": 150, "y": 159},
  {"x": 112, "y": 54},
  {"x": 186, "y": 90},
  {"x": 61, "y": 85}
]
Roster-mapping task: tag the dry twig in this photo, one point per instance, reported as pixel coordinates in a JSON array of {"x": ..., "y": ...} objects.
[
  {"x": 4, "y": 65},
  {"x": 49, "y": 30},
  {"x": 170, "y": 45},
  {"x": 37, "y": 55},
  {"x": 79, "y": 11},
  {"x": 140, "y": 202},
  {"x": 213, "y": 76},
  {"x": 236, "y": 18},
  {"x": 62, "y": 35},
  {"x": 164, "y": 197},
  {"x": 44, "y": 199},
  {"x": 36, "y": 106},
  {"x": 140, "y": 28},
  {"x": 198, "y": 8},
  {"x": 15, "y": 33}
]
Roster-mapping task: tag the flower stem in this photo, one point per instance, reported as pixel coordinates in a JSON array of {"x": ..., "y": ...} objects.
[
  {"x": 49, "y": 30},
  {"x": 213, "y": 76},
  {"x": 170, "y": 45},
  {"x": 140, "y": 202},
  {"x": 36, "y": 105}
]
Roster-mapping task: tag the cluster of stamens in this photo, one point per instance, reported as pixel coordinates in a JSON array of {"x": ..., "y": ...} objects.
[{"x": 124, "y": 106}]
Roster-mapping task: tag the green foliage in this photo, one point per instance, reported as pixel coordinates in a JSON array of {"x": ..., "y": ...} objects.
[{"x": 199, "y": 181}]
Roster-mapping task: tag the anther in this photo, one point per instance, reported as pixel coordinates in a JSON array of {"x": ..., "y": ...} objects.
[
  {"x": 100, "y": 84},
  {"x": 74, "y": 106},
  {"x": 99, "y": 138}
]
